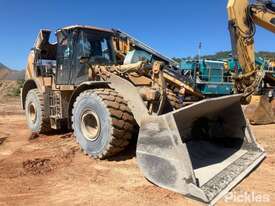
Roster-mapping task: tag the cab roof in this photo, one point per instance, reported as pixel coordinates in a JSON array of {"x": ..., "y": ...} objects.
[{"x": 73, "y": 27}]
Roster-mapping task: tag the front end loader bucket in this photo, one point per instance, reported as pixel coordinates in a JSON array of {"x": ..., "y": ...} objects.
[
  {"x": 202, "y": 150},
  {"x": 261, "y": 110}
]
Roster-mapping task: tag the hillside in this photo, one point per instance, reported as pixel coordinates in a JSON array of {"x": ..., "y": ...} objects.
[{"x": 8, "y": 74}]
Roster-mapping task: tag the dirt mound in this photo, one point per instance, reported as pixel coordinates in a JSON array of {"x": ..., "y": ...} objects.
[
  {"x": 42, "y": 166},
  {"x": 38, "y": 166},
  {"x": 45, "y": 158}
]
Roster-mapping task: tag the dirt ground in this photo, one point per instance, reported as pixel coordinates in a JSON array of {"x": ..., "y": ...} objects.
[{"x": 51, "y": 170}]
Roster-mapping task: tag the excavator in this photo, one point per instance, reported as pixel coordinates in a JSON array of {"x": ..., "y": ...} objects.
[
  {"x": 105, "y": 85},
  {"x": 254, "y": 80}
]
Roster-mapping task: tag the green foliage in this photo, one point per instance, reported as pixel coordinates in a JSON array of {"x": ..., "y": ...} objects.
[{"x": 15, "y": 91}]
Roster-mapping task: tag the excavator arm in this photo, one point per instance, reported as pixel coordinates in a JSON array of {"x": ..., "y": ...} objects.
[{"x": 243, "y": 17}]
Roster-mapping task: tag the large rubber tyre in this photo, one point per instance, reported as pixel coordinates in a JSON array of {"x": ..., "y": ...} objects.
[
  {"x": 102, "y": 122},
  {"x": 35, "y": 115}
]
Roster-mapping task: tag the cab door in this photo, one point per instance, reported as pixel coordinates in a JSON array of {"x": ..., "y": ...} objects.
[
  {"x": 82, "y": 48},
  {"x": 64, "y": 57}
]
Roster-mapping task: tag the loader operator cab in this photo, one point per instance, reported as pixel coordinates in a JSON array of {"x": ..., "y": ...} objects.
[
  {"x": 77, "y": 43},
  {"x": 64, "y": 59}
]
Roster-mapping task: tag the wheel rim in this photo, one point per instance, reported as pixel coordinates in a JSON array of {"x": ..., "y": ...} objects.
[
  {"x": 90, "y": 125},
  {"x": 32, "y": 112}
]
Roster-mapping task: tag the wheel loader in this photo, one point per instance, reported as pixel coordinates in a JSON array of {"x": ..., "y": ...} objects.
[{"x": 106, "y": 86}]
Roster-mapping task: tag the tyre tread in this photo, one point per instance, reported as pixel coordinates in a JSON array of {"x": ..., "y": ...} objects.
[{"x": 120, "y": 116}]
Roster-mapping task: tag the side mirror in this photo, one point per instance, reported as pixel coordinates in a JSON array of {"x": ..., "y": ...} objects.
[{"x": 84, "y": 60}]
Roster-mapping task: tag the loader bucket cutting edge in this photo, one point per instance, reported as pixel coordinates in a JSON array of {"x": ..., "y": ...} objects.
[{"x": 202, "y": 150}]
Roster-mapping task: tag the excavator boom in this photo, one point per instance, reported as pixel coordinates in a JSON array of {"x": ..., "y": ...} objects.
[
  {"x": 264, "y": 15},
  {"x": 242, "y": 20},
  {"x": 242, "y": 33}
]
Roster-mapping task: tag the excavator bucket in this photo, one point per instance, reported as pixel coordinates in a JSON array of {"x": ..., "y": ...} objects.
[
  {"x": 202, "y": 150},
  {"x": 261, "y": 110}
]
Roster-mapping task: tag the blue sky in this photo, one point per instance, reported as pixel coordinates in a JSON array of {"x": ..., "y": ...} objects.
[{"x": 173, "y": 27}]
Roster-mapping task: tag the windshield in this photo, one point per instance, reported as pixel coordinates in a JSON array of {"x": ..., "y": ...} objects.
[{"x": 96, "y": 46}]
